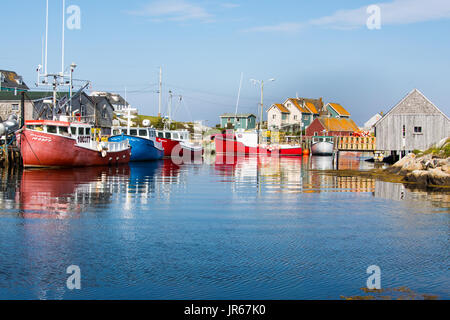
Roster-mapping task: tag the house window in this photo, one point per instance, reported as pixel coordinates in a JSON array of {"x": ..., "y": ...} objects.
[
  {"x": 417, "y": 129},
  {"x": 83, "y": 110},
  {"x": 295, "y": 117},
  {"x": 15, "y": 107},
  {"x": 274, "y": 116},
  {"x": 104, "y": 113},
  {"x": 404, "y": 131},
  {"x": 284, "y": 116},
  {"x": 229, "y": 120}
]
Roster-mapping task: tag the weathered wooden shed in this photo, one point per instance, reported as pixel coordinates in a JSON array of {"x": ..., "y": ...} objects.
[{"x": 414, "y": 123}]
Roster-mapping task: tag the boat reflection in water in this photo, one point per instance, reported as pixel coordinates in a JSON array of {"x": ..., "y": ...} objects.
[
  {"x": 291, "y": 175},
  {"x": 62, "y": 193},
  {"x": 322, "y": 163}
]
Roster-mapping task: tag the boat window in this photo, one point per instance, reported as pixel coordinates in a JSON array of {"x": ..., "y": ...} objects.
[
  {"x": 133, "y": 132},
  {"x": 51, "y": 129},
  {"x": 151, "y": 133},
  {"x": 160, "y": 134},
  {"x": 64, "y": 131},
  {"x": 88, "y": 131},
  {"x": 168, "y": 135},
  {"x": 39, "y": 128},
  {"x": 81, "y": 131},
  {"x": 31, "y": 127},
  {"x": 116, "y": 132},
  {"x": 142, "y": 133},
  {"x": 73, "y": 130},
  {"x": 175, "y": 135}
]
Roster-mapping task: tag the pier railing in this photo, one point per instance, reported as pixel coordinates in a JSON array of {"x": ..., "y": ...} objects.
[{"x": 349, "y": 143}]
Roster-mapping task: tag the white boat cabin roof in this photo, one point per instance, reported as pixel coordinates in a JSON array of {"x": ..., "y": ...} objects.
[{"x": 63, "y": 128}]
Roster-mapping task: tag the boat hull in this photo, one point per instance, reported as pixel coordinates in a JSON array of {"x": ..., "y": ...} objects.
[
  {"x": 39, "y": 149},
  {"x": 322, "y": 148},
  {"x": 169, "y": 145},
  {"x": 229, "y": 146},
  {"x": 192, "y": 150},
  {"x": 141, "y": 149}
]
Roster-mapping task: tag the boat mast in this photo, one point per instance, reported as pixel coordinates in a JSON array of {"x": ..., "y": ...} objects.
[
  {"x": 129, "y": 114},
  {"x": 238, "y": 98},
  {"x": 63, "y": 33},
  {"x": 160, "y": 92},
  {"x": 46, "y": 41}
]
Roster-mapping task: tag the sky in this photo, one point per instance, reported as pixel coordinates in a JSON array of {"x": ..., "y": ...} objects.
[{"x": 325, "y": 48}]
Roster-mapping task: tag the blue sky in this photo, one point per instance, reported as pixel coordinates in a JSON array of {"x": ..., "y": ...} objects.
[{"x": 312, "y": 48}]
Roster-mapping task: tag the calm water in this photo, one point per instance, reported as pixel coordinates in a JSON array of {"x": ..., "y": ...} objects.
[{"x": 255, "y": 228}]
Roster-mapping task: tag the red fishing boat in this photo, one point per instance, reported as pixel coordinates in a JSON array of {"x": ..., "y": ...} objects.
[
  {"x": 247, "y": 143},
  {"x": 177, "y": 143},
  {"x": 50, "y": 143}
]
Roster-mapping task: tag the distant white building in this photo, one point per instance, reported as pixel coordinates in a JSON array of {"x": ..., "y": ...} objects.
[
  {"x": 119, "y": 104},
  {"x": 370, "y": 124}
]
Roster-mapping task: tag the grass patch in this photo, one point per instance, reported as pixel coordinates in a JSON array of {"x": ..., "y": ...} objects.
[{"x": 441, "y": 152}]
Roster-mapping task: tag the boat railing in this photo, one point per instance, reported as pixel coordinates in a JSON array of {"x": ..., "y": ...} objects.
[
  {"x": 78, "y": 119},
  {"x": 110, "y": 146},
  {"x": 316, "y": 139}
]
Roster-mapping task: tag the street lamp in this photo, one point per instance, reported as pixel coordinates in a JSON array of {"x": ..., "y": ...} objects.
[{"x": 261, "y": 83}]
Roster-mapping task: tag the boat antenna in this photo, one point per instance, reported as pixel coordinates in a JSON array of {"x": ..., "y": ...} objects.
[{"x": 170, "y": 108}]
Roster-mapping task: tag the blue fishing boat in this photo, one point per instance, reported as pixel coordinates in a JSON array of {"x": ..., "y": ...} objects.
[{"x": 144, "y": 146}]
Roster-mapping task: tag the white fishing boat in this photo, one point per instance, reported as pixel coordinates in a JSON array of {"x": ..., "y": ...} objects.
[{"x": 322, "y": 146}]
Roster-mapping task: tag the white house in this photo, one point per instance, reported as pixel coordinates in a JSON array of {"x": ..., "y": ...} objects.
[
  {"x": 370, "y": 124},
  {"x": 293, "y": 114}
]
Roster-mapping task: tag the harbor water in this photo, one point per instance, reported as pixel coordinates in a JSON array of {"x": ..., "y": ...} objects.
[{"x": 240, "y": 228}]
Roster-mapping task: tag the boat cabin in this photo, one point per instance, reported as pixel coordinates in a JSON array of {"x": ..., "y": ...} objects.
[
  {"x": 317, "y": 139},
  {"x": 147, "y": 133},
  {"x": 79, "y": 131},
  {"x": 173, "y": 135}
]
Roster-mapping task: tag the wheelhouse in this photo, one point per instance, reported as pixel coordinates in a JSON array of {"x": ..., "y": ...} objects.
[
  {"x": 61, "y": 128},
  {"x": 147, "y": 133},
  {"x": 173, "y": 135}
]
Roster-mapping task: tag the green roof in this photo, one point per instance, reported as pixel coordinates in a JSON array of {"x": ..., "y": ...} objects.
[
  {"x": 239, "y": 115},
  {"x": 30, "y": 95}
]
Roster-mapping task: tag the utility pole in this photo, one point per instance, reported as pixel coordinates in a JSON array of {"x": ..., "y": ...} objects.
[
  {"x": 160, "y": 92},
  {"x": 261, "y": 83}
]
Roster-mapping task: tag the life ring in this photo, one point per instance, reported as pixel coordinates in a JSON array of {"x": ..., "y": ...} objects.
[{"x": 104, "y": 153}]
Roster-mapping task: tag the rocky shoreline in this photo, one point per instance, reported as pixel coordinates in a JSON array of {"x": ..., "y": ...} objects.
[{"x": 426, "y": 170}]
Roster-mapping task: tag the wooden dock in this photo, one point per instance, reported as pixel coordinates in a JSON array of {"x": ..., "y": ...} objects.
[{"x": 10, "y": 156}]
